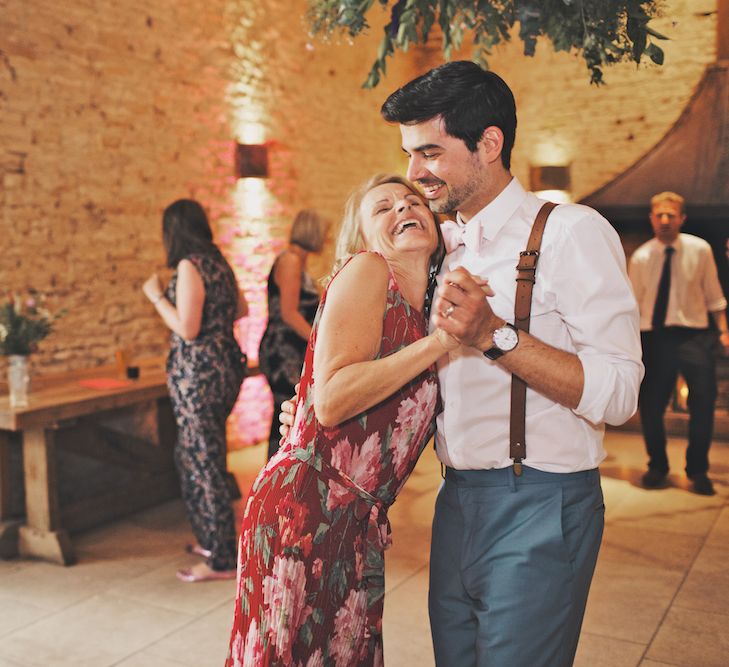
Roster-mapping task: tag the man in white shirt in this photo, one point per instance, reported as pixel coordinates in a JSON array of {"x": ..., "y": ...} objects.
[
  {"x": 676, "y": 283},
  {"x": 513, "y": 555}
]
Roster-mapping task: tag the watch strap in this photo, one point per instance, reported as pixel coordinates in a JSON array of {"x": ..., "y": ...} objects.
[
  {"x": 494, "y": 352},
  {"x": 525, "y": 279}
]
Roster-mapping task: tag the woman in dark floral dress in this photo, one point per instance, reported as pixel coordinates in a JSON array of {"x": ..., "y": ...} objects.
[
  {"x": 204, "y": 373},
  {"x": 292, "y": 302},
  {"x": 311, "y": 553}
]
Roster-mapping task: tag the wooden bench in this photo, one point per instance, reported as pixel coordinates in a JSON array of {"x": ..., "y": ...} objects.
[{"x": 73, "y": 413}]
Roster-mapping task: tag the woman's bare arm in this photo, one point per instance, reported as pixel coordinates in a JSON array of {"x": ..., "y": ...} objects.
[
  {"x": 287, "y": 275},
  {"x": 347, "y": 377},
  {"x": 186, "y": 318}
]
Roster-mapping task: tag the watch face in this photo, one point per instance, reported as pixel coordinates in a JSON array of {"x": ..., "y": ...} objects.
[{"x": 505, "y": 338}]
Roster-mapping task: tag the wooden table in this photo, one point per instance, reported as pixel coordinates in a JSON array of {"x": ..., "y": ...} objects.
[{"x": 69, "y": 405}]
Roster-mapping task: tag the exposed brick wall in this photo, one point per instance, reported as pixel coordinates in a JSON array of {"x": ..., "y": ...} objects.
[
  {"x": 112, "y": 110},
  {"x": 109, "y": 111}
]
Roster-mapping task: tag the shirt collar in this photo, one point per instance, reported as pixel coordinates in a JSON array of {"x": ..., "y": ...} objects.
[{"x": 492, "y": 217}]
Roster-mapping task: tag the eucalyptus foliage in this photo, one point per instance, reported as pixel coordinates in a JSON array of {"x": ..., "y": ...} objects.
[{"x": 603, "y": 32}]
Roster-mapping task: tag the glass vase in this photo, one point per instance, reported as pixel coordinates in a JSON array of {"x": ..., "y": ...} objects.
[{"x": 18, "y": 380}]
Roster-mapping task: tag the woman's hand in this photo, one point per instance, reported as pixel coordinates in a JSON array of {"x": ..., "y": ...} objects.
[
  {"x": 446, "y": 340},
  {"x": 152, "y": 288},
  {"x": 461, "y": 308}
]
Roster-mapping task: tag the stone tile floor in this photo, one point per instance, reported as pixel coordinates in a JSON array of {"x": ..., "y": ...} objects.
[{"x": 660, "y": 595}]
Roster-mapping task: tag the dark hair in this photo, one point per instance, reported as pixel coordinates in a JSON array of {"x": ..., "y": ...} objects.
[
  {"x": 466, "y": 96},
  {"x": 186, "y": 230}
]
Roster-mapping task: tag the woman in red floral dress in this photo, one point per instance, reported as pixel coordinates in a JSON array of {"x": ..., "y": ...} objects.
[{"x": 311, "y": 551}]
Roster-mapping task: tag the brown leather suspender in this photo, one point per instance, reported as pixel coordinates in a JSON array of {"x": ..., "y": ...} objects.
[{"x": 525, "y": 279}]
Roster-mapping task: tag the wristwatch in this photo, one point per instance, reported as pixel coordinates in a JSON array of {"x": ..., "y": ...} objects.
[{"x": 505, "y": 339}]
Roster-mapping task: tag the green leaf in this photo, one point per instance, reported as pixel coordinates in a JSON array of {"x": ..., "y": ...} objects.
[
  {"x": 321, "y": 532},
  {"x": 306, "y": 634},
  {"x": 318, "y": 615},
  {"x": 291, "y": 474},
  {"x": 655, "y": 34},
  {"x": 618, "y": 30},
  {"x": 323, "y": 496},
  {"x": 338, "y": 576},
  {"x": 262, "y": 541},
  {"x": 655, "y": 53}
]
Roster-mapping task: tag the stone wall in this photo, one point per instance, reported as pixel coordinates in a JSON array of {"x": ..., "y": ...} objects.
[
  {"x": 109, "y": 111},
  {"x": 112, "y": 110}
]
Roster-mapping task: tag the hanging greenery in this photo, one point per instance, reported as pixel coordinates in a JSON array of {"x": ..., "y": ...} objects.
[{"x": 603, "y": 32}]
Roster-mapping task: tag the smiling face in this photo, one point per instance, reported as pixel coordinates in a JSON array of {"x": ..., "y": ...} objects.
[
  {"x": 452, "y": 177},
  {"x": 394, "y": 220}
]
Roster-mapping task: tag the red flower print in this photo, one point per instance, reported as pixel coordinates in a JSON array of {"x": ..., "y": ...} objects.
[
  {"x": 291, "y": 518},
  {"x": 411, "y": 428},
  {"x": 283, "y": 596},
  {"x": 360, "y": 465},
  {"x": 349, "y": 626}
]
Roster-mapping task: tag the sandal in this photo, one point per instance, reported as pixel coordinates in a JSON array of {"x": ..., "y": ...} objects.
[
  {"x": 197, "y": 550},
  {"x": 198, "y": 573}
]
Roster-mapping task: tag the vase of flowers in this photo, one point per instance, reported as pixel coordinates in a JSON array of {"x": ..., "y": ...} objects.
[
  {"x": 24, "y": 322},
  {"x": 18, "y": 380}
]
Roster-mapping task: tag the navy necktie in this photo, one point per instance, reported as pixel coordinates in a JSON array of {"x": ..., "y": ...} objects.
[{"x": 664, "y": 288}]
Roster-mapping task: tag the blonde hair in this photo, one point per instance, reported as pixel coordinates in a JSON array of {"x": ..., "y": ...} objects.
[
  {"x": 668, "y": 196},
  {"x": 309, "y": 230},
  {"x": 350, "y": 239}
]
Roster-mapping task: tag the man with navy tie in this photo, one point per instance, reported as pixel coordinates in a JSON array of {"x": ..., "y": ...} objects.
[{"x": 676, "y": 284}]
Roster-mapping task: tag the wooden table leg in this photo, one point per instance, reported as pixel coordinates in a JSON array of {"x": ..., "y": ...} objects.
[
  {"x": 8, "y": 526},
  {"x": 42, "y": 537}
]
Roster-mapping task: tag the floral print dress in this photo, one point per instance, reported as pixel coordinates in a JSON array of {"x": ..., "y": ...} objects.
[
  {"x": 311, "y": 551},
  {"x": 204, "y": 376}
]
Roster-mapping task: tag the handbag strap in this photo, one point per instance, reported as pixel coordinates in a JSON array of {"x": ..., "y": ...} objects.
[{"x": 525, "y": 278}]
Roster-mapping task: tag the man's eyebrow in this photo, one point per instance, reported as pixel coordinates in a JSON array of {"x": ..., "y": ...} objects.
[{"x": 422, "y": 148}]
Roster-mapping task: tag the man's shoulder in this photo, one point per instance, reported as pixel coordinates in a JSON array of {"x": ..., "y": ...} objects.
[
  {"x": 694, "y": 242},
  {"x": 645, "y": 249},
  {"x": 572, "y": 214},
  {"x": 578, "y": 221}
]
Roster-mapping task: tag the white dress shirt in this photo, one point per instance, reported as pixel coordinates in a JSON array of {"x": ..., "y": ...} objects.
[
  {"x": 582, "y": 303},
  {"x": 695, "y": 288}
]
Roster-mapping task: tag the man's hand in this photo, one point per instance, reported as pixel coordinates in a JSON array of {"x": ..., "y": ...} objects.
[
  {"x": 287, "y": 415},
  {"x": 724, "y": 340},
  {"x": 462, "y": 309}
]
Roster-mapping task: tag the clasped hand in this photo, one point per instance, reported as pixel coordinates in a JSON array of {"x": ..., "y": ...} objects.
[{"x": 462, "y": 310}]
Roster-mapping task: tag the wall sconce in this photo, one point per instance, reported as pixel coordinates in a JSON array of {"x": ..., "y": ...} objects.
[
  {"x": 551, "y": 182},
  {"x": 251, "y": 160}
]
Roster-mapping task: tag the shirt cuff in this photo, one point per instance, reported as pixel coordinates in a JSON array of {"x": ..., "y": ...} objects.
[{"x": 607, "y": 397}]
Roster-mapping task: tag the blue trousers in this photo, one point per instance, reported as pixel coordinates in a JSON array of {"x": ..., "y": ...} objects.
[{"x": 511, "y": 563}]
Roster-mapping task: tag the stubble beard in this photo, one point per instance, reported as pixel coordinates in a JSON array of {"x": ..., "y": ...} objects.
[
  {"x": 456, "y": 197},
  {"x": 458, "y": 194}
]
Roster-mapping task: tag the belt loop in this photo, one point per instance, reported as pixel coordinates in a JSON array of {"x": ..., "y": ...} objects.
[{"x": 512, "y": 479}]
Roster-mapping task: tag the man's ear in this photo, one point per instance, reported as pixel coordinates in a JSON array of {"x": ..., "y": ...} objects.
[{"x": 491, "y": 144}]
